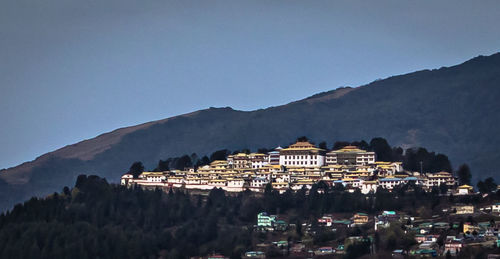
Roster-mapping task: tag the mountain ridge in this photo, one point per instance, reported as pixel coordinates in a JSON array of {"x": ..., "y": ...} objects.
[{"x": 434, "y": 108}]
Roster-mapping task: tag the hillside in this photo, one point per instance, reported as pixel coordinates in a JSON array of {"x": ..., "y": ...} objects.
[
  {"x": 96, "y": 219},
  {"x": 452, "y": 110}
]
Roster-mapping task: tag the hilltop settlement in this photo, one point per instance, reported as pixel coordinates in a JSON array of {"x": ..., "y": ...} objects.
[
  {"x": 357, "y": 200},
  {"x": 298, "y": 166},
  {"x": 365, "y": 206}
]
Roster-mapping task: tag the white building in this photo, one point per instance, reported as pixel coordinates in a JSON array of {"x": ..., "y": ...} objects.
[
  {"x": 175, "y": 180},
  {"x": 388, "y": 168},
  {"x": 368, "y": 186},
  {"x": 274, "y": 156},
  {"x": 258, "y": 160},
  {"x": 153, "y": 177},
  {"x": 389, "y": 182},
  {"x": 235, "y": 182},
  {"x": 495, "y": 208},
  {"x": 302, "y": 154},
  {"x": 126, "y": 178},
  {"x": 465, "y": 189},
  {"x": 259, "y": 182},
  {"x": 436, "y": 179},
  {"x": 240, "y": 160},
  {"x": 219, "y": 183}
]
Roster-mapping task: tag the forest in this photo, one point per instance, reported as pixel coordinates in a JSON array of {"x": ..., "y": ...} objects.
[{"x": 95, "y": 219}]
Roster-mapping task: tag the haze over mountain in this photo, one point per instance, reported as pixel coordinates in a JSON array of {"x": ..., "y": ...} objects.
[{"x": 452, "y": 110}]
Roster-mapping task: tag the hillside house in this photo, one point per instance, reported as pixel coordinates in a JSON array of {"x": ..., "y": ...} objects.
[
  {"x": 325, "y": 221},
  {"x": 495, "y": 208},
  {"x": 265, "y": 221},
  {"x": 453, "y": 246},
  {"x": 465, "y": 190},
  {"x": 360, "y": 218},
  {"x": 463, "y": 209}
]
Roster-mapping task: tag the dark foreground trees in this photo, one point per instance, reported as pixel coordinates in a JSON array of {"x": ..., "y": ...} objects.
[{"x": 99, "y": 220}]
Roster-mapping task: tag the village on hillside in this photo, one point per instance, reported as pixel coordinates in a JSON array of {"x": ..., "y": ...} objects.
[
  {"x": 301, "y": 166},
  {"x": 298, "y": 166}
]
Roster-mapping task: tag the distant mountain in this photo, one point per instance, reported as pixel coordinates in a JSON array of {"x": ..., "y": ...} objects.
[{"x": 452, "y": 110}]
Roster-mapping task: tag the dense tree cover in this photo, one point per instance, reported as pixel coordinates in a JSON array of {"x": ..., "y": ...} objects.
[
  {"x": 136, "y": 169},
  {"x": 245, "y": 150},
  {"x": 219, "y": 155},
  {"x": 414, "y": 159},
  {"x": 99, "y": 220},
  {"x": 486, "y": 186},
  {"x": 394, "y": 237},
  {"x": 464, "y": 175},
  {"x": 176, "y": 163},
  {"x": 357, "y": 249},
  {"x": 302, "y": 139},
  {"x": 382, "y": 149}
]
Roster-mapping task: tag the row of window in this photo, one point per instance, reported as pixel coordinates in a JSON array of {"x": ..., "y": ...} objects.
[
  {"x": 300, "y": 163},
  {"x": 301, "y": 157}
]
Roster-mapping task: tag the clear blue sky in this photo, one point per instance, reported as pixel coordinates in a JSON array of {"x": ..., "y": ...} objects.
[{"x": 73, "y": 69}]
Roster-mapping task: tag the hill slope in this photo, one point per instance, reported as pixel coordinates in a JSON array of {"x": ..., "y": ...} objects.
[{"x": 452, "y": 110}]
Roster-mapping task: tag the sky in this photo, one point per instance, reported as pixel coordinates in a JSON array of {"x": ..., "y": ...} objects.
[{"x": 73, "y": 69}]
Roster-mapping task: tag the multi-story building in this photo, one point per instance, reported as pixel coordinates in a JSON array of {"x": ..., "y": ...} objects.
[
  {"x": 350, "y": 155},
  {"x": 436, "y": 179},
  {"x": 388, "y": 168},
  {"x": 265, "y": 220},
  {"x": 259, "y": 182},
  {"x": 302, "y": 154},
  {"x": 235, "y": 183},
  {"x": 389, "y": 182},
  {"x": 152, "y": 177},
  {"x": 240, "y": 160},
  {"x": 258, "y": 160},
  {"x": 274, "y": 156}
]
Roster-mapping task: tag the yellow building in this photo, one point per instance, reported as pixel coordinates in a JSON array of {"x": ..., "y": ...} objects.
[
  {"x": 360, "y": 218},
  {"x": 350, "y": 155},
  {"x": 469, "y": 228}
]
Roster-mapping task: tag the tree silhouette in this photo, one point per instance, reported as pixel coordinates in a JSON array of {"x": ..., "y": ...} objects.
[
  {"x": 136, "y": 169},
  {"x": 464, "y": 175}
]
